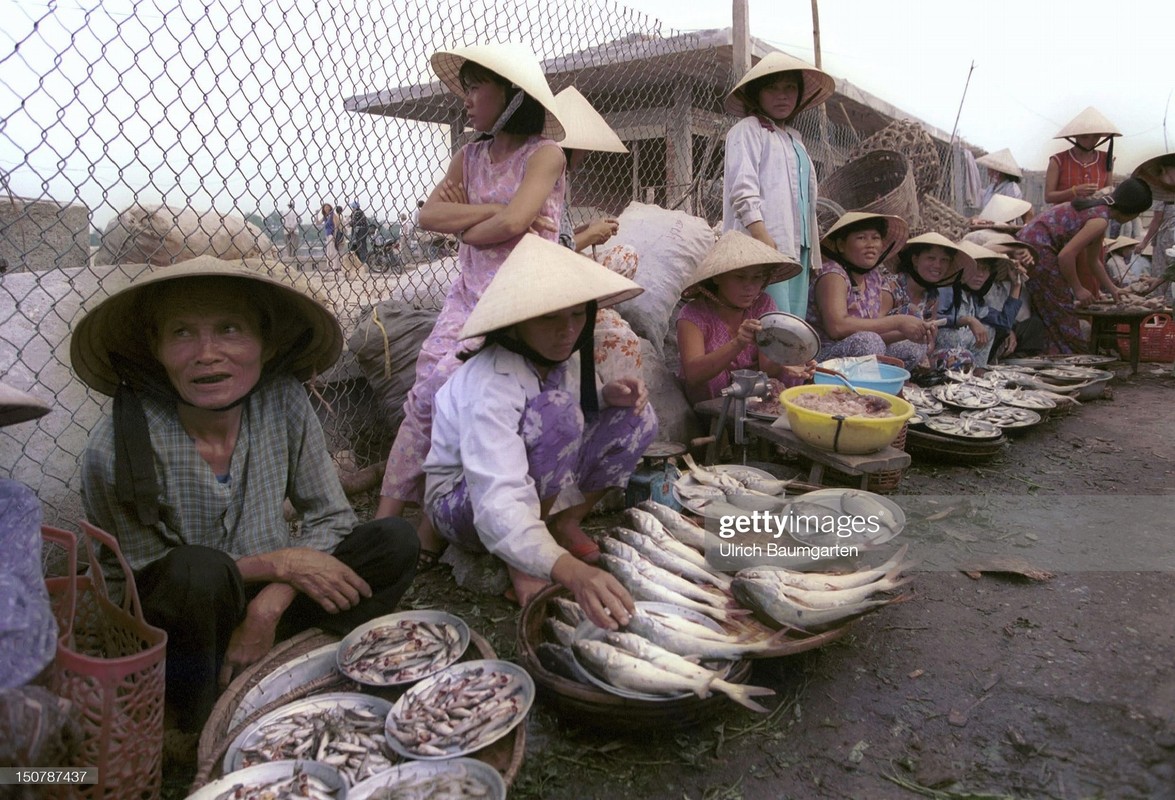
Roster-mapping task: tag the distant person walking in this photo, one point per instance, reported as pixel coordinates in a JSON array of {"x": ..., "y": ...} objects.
[
  {"x": 331, "y": 230},
  {"x": 408, "y": 235},
  {"x": 293, "y": 228},
  {"x": 360, "y": 231}
]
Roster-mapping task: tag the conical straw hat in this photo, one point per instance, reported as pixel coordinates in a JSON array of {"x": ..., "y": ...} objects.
[
  {"x": 1001, "y": 161},
  {"x": 586, "y": 129},
  {"x": 1152, "y": 171},
  {"x": 960, "y": 257},
  {"x": 17, "y": 406},
  {"x": 1089, "y": 122},
  {"x": 115, "y": 324},
  {"x": 1119, "y": 243},
  {"x": 737, "y": 250},
  {"x": 514, "y": 62},
  {"x": 818, "y": 84},
  {"x": 1002, "y": 209},
  {"x": 540, "y": 277},
  {"x": 997, "y": 241},
  {"x": 896, "y": 229},
  {"x": 978, "y": 252}
]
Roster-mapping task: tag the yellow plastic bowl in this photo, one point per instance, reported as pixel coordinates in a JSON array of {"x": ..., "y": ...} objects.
[{"x": 848, "y": 435}]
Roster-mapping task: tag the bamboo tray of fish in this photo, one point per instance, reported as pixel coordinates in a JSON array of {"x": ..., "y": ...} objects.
[
  {"x": 924, "y": 444},
  {"x": 504, "y": 755}
]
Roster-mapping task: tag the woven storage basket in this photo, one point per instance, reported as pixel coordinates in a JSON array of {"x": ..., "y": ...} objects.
[
  {"x": 504, "y": 755},
  {"x": 937, "y": 216},
  {"x": 880, "y": 182},
  {"x": 914, "y": 143},
  {"x": 110, "y": 665}
]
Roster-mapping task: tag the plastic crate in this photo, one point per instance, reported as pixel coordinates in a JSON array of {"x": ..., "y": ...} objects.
[{"x": 1156, "y": 339}]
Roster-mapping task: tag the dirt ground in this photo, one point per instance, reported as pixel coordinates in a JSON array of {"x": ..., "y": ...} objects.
[{"x": 996, "y": 687}]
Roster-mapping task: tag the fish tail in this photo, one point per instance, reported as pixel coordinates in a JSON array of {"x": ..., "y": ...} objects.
[{"x": 743, "y": 694}]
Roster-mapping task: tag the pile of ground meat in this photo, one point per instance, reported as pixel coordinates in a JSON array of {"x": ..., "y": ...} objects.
[{"x": 845, "y": 403}]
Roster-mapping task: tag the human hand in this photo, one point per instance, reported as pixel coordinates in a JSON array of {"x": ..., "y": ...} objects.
[
  {"x": 451, "y": 192},
  {"x": 323, "y": 578},
  {"x": 1082, "y": 297},
  {"x": 1085, "y": 190},
  {"x": 599, "y": 231},
  {"x": 250, "y": 642},
  {"x": 747, "y": 332},
  {"x": 979, "y": 330},
  {"x": 915, "y": 329},
  {"x": 602, "y": 598},
  {"x": 543, "y": 224},
  {"x": 626, "y": 393},
  {"x": 1009, "y": 345}
]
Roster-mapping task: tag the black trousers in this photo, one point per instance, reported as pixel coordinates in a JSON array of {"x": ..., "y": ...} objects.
[
  {"x": 1029, "y": 338},
  {"x": 196, "y": 594}
]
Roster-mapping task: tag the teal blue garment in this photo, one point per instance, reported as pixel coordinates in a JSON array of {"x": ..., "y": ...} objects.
[{"x": 792, "y": 295}]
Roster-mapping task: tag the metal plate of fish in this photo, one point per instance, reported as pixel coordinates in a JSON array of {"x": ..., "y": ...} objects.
[
  {"x": 1006, "y": 417},
  {"x": 964, "y": 395},
  {"x": 959, "y": 427},
  {"x": 456, "y": 777},
  {"x": 460, "y": 710},
  {"x": 402, "y": 648},
  {"x": 1083, "y": 360},
  {"x": 299, "y": 671},
  {"x": 277, "y": 780},
  {"x": 1026, "y": 398},
  {"x": 588, "y": 630},
  {"x": 890, "y": 518},
  {"x": 342, "y": 729},
  {"x": 925, "y": 403},
  {"x": 695, "y": 496},
  {"x": 1073, "y": 374}
]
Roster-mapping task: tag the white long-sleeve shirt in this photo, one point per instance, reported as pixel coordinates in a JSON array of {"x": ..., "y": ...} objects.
[
  {"x": 761, "y": 184},
  {"x": 477, "y": 416}
]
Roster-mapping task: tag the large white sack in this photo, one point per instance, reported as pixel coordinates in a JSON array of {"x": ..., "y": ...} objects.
[
  {"x": 670, "y": 245},
  {"x": 162, "y": 235}
]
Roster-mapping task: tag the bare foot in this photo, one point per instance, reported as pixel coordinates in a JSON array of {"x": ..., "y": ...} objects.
[{"x": 526, "y": 586}]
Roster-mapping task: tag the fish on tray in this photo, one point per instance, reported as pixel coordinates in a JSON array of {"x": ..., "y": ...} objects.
[
  {"x": 673, "y": 562},
  {"x": 298, "y": 785},
  {"x": 690, "y": 639},
  {"x": 349, "y": 739},
  {"x": 642, "y": 587},
  {"x": 402, "y": 651}
]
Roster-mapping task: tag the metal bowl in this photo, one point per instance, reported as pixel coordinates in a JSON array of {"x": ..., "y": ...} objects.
[
  {"x": 306, "y": 668},
  {"x": 431, "y": 617},
  {"x": 274, "y": 771},
  {"x": 787, "y": 339},
  {"x": 516, "y": 673},
  {"x": 408, "y": 773}
]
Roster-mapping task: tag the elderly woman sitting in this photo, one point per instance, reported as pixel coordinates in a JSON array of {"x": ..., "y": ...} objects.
[{"x": 211, "y": 433}]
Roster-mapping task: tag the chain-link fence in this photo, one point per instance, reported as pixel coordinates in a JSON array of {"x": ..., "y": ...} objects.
[{"x": 151, "y": 131}]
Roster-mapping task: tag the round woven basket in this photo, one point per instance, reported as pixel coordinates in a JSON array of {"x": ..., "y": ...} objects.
[
  {"x": 595, "y": 707},
  {"x": 914, "y": 143},
  {"x": 924, "y": 444},
  {"x": 504, "y": 755},
  {"x": 937, "y": 216},
  {"x": 880, "y": 182}
]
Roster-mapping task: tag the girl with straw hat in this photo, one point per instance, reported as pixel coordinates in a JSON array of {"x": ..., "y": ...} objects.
[
  {"x": 964, "y": 308},
  {"x": 496, "y": 189},
  {"x": 1004, "y": 176},
  {"x": 1082, "y": 170},
  {"x": 850, "y": 307},
  {"x": 769, "y": 181},
  {"x": 1068, "y": 242},
  {"x": 211, "y": 432},
  {"x": 716, "y": 329},
  {"x": 1159, "y": 173},
  {"x": 515, "y": 471},
  {"x": 927, "y": 263},
  {"x": 1015, "y": 330},
  {"x": 587, "y": 132},
  {"x": 1117, "y": 256}
]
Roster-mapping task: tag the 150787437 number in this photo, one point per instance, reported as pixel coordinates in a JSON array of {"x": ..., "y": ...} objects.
[{"x": 55, "y": 776}]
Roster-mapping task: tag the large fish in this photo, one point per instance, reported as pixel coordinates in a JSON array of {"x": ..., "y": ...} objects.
[
  {"x": 665, "y": 577},
  {"x": 652, "y": 551},
  {"x": 647, "y": 525},
  {"x": 643, "y": 588},
  {"x": 775, "y": 608},
  {"x": 687, "y": 638},
  {"x": 677, "y": 525},
  {"x": 671, "y": 662},
  {"x": 822, "y": 581}
]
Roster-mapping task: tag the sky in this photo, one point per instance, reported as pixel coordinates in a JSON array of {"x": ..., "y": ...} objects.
[
  {"x": 236, "y": 104},
  {"x": 1037, "y": 63}
]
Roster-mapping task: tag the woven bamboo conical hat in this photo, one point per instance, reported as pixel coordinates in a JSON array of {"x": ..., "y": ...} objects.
[
  {"x": 737, "y": 250},
  {"x": 586, "y": 129},
  {"x": 1120, "y": 242},
  {"x": 1002, "y": 209},
  {"x": 1001, "y": 161},
  {"x": 1089, "y": 122},
  {"x": 818, "y": 84},
  {"x": 17, "y": 406}
]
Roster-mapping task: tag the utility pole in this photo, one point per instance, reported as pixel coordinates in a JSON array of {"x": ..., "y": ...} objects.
[
  {"x": 740, "y": 60},
  {"x": 822, "y": 111}
]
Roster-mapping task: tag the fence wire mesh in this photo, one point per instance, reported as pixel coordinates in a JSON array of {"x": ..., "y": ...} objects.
[{"x": 145, "y": 131}]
